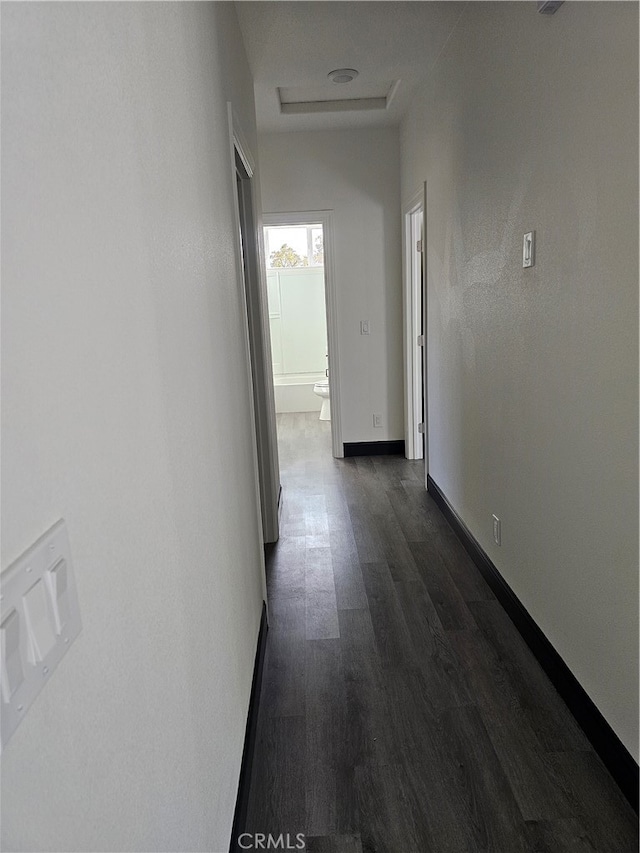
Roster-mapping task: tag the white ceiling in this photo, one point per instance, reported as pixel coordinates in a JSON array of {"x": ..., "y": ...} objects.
[{"x": 295, "y": 44}]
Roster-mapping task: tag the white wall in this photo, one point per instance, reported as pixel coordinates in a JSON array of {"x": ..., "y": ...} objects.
[
  {"x": 126, "y": 411},
  {"x": 531, "y": 122},
  {"x": 355, "y": 173}
]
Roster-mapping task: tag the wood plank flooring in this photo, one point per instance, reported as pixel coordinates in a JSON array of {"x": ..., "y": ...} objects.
[{"x": 400, "y": 709}]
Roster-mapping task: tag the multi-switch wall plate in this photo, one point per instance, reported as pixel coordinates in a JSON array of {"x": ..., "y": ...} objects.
[{"x": 39, "y": 619}]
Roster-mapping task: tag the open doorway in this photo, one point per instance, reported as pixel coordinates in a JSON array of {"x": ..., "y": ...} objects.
[{"x": 301, "y": 309}]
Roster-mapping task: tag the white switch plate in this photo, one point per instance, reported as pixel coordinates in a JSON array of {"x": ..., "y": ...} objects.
[
  {"x": 365, "y": 328},
  {"x": 529, "y": 249},
  {"x": 39, "y": 619},
  {"x": 497, "y": 530}
]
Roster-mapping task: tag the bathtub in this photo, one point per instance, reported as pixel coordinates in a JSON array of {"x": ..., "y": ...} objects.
[{"x": 294, "y": 392}]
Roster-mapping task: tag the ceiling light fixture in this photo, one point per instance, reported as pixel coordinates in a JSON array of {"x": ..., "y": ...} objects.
[{"x": 343, "y": 75}]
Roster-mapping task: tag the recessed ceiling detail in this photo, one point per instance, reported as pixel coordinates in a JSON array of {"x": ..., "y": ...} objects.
[
  {"x": 296, "y": 44},
  {"x": 328, "y": 98}
]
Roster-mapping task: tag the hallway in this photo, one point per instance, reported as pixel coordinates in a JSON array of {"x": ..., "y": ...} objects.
[{"x": 400, "y": 709}]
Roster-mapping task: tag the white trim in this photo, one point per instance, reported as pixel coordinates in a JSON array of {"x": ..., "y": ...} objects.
[
  {"x": 272, "y": 473},
  {"x": 262, "y": 467},
  {"x": 425, "y": 326},
  {"x": 240, "y": 143},
  {"x": 411, "y": 306},
  {"x": 324, "y": 218},
  {"x": 260, "y": 356}
]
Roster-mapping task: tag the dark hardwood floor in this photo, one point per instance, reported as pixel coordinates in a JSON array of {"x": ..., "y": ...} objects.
[{"x": 401, "y": 710}]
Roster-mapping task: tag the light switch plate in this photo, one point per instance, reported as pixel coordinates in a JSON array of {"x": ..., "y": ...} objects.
[
  {"x": 497, "y": 530},
  {"x": 39, "y": 619},
  {"x": 529, "y": 249}
]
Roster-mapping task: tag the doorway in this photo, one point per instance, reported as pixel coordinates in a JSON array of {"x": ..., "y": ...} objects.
[
  {"x": 415, "y": 328},
  {"x": 301, "y": 308},
  {"x": 297, "y": 318}
]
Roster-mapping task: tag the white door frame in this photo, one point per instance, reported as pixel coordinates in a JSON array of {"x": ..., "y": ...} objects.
[
  {"x": 324, "y": 218},
  {"x": 425, "y": 328},
  {"x": 414, "y": 354},
  {"x": 258, "y": 349},
  {"x": 414, "y": 276}
]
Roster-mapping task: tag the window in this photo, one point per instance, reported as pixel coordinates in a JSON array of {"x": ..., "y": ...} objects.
[{"x": 294, "y": 246}]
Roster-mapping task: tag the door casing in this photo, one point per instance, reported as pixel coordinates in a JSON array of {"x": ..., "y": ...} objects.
[
  {"x": 415, "y": 324},
  {"x": 250, "y": 255}
]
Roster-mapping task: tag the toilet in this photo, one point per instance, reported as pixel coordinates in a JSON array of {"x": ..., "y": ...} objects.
[{"x": 322, "y": 390}]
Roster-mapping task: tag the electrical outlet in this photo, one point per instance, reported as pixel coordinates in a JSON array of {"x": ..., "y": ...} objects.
[
  {"x": 377, "y": 421},
  {"x": 497, "y": 530}
]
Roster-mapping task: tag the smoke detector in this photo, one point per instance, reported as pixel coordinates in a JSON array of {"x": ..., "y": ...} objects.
[{"x": 342, "y": 75}]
